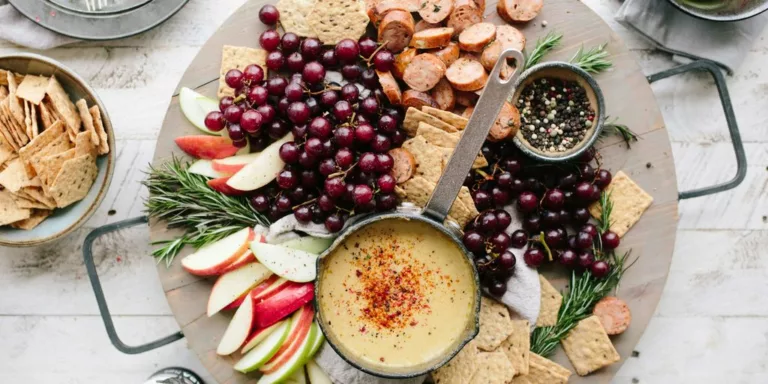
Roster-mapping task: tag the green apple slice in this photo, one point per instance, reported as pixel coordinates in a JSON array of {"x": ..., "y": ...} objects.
[
  {"x": 308, "y": 244},
  {"x": 205, "y": 168},
  {"x": 195, "y": 107},
  {"x": 256, "y": 357},
  {"x": 316, "y": 374},
  {"x": 317, "y": 342},
  {"x": 298, "y": 377},
  {"x": 291, "y": 264},
  {"x": 294, "y": 363}
]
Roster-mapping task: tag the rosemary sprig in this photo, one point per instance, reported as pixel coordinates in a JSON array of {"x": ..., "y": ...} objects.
[
  {"x": 184, "y": 200},
  {"x": 593, "y": 60},
  {"x": 543, "y": 46},
  {"x": 578, "y": 301},
  {"x": 613, "y": 127},
  {"x": 606, "y": 208}
]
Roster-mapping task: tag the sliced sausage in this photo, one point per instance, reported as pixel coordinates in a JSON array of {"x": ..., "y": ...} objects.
[
  {"x": 390, "y": 87},
  {"x": 404, "y": 164},
  {"x": 466, "y": 75},
  {"x": 480, "y": 4},
  {"x": 413, "y": 5},
  {"x": 402, "y": 60},
  {"x": 416, "y": 99},
  {"x": 443, "y": 95},
  {"x": 490, "y": 55},
  {"x": 396, "y": 30},
  {"x": 466, "y": 99},
  {"x": 448, "y": 54},
  {"x": 519, "y": 11},
  {"x": 510, "y": 37},
  {"x": 506, "y": 124},
  {"x": 422, "y": 25},
  {"x": 475, "y": 37},
  {"x": 370, "y": 9},
  {"x": 432, "y": 38},
  {"x": 468, "y": 112},
  {"x": 435, "y": 11},
  {"x": 469, "y": 56},
  {"x": 613, "y": 314},
  {"x": 465, "y": 13},
  {"x": 384, "y": 6},
  {"x": 424, "y": 72}
]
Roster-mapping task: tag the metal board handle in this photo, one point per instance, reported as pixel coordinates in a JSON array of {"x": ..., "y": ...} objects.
[
  {"x": 93, "y": 275},
  {"x": 730, "y": 118},
  {"x": 486, "y": 111}
]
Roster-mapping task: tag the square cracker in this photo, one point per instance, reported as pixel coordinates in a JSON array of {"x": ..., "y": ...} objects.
[
  {"x": 588, "y": 346},
  {"x": 98, "y": 124},
  {"x": 47, "y": 116},
  {"x": 7, "y": 130},
  {"x": 48, "y": 167},
  {"x": 9, "y": 211},
  {"x": 417, "y": 190},
  {"x": 629, "y": 203},
  {"x": 4, "y": 77},
  {"x": 451, "y": 118},
  {"x": 335, "y": 20},
  {"x": 14, "y": 176},
  {"x": 480, "y": 161},
  {"x": 233, "y": 57},
  {"x": 23, "y": 201},
  {"x": 543, "y": 371},
  {"x": 36, "y": 217},
  {"x": 28, "y": 108},
  {"x": 84, "y": 145},
  {"x": 6, "y": 151},
  {"x": 517, "y": 346},
  {"x": 64, "y": 107},
  {"x": 85, "y": 116},
  {"x": 494, "y": 369},
  {"x": 495, "y": 325},
  {"x": 37, "y": 194},
  {"x": 13, "y": 127},
  {"x": 429, "y": 160},
  {"x": 48, "y": 136},
  {"x": 463, "y": 209},
  {"x": 74, "y": 180},
  {"x": 551, "y": 300},
  {"x": 437, "y": 136},
  {"x": 293, "y": 16},
  {"x": 3, "y": 92},
  {"x": 461, "y": 368},
  {"x": 413, "y": 117},
  {"x": 32, "y": 89}
]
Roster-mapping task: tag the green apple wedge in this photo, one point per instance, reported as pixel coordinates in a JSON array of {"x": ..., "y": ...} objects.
[
  {"x": 308, "y": 244},
  {"x": 204, "y": 167},
  {"x": 259, "y": 355},
  {"x": 317, "y": 342},
  {"x": 294, "y": 363},
  {"x": 316, "y": 374},
  {"x": 291, "y": 264},
  {"x": 195, "y": 107},
  {"x": 298, "y": 377}
]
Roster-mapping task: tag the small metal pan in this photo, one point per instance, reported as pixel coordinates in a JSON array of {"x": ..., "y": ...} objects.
[{"x": 434, "y": 214}]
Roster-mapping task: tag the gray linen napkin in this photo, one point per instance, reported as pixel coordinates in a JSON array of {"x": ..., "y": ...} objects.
[
  {"x": 19, "y": 30},
  {"x": 673, "y": 31}
]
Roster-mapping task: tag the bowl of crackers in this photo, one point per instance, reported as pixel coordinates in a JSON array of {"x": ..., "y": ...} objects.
[{"x": 56, "y": 150}]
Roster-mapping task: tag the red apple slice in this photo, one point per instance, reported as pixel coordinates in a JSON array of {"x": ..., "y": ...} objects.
[
  {"x": 283, "y": 303},
  {"x": 264, "y": 291},
  {"x": 247, "y": 257},
  {"x": 232, "y": 285},
  {"x": 237, "y": 303},
  {"x": 262, "y": 170},
  {"x": 206, "y": 147},
  {"x": 233, "y": 164},
  {"x": 220, "y": 185},
  {"x": 293, "y": 341},
  {"x": 258, "y": 335},
  {"x": 205, "y": 168},
  {"x": 213, "y": 258},
  {"x": 238, "y": 329}
]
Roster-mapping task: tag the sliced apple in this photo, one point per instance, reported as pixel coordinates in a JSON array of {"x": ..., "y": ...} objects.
[
  {"x": 231, "y": 165},
  {"x": 195, "y": 107},
  {"x": 292, "y": 264},
  {"x": 213, "y": 258},
  {"x": 281, "y": 304},
  {"x": 295, "y": 362},
  {"x": 259, "y": 355},
  {"x": 308, "y": 244},
  {"x": 261, "y": 170},
  {"x": 232, "y": 285},
  {"x": 259, "y": 335},
  {"x": 205, "y": 168},
  {"x": 316, "y": 374},
  {"x": 238, "y": 330},
  {"x": 301, "y": 322},
  {"x": 207, "y": 147},
  {"x": 237, "y": 303},
  {"x": 297, "y": 377},
  {"x": 220, "y": 185},
  {"x": 318, "y": 341}
]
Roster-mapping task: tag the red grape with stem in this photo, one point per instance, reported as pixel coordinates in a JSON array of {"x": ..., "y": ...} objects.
[
  {"x": 344, "y": 158},
  {"x": 346, "y": 50},
  {"x": 313, "y": 72},
  {"x": 603, "y": 178},
  {"x": 386, "y": 201},
  {"x": 259, "y": 202},
  {"x": 600, "y": 269},
  {"x": 383, "y": 60},
  {"x": 349, "y": 92},
  {"x": 253, "y": 74},
  {"x": 384, "y": 162},
  {"x": 294, "y": 92},
  {"x": 386, "y": 183},
  {"x": 474, "y": 241},
  {"x": 311, "y": 48},
  {"x": 269, "y": 15},
  {"x": 251, "y": 121},
  {"x": 518, "y": 239},
  {"x": 586, "y": 258},
  {"x": 257, "y": 95},
  {"x": 214, "y": 121},
  {"x": 527, "y": 202},
  {"x": 290, "y": 42},
  {"x": 500, "y": 242},
  {"x": 367, "y": 162},
  {"x": 364, "y": 133},
  {"x": 329, "y": 58},
  {"x": 276, "y": 86},
  {"x": 367, "y": 46},
  {"x": 362, "y": 194},
  {"x": 334, "y": 223},
  {"x": 610, "y": 240},
  {"x": 351, "y": 71},
  {"x": 234, "y": 78},
  {"x": 269, "y": 40},
  {"x": 569, "y": 258},
  {"x": 303, "y": 214},
  {"x": 275, "y": 60},
  {"x": 534, "y": 257},
  {"x": 335, "y": 187}
]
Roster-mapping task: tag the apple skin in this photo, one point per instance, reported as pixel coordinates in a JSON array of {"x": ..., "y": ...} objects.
[
  {"x": 220, "y": 185},
  {"x": 232, "y": 285},
  {"x": 292, "y": 264},
  {"x": 283, "y": 303},
  {"x": 221, "y": 264},
  {"x": 237, "y": 303},
  {"x": 247, "y": 257},
  {"x": 292, "y": 342},
  {"x": 258, "y": 335},
  {"x": 293, "y": 364},
  {"x": 206, "y": 147},
  {"x": 231, "y": 165},
  {"x": 238, "y": 330},
  {"x": 262, "y": 170}
]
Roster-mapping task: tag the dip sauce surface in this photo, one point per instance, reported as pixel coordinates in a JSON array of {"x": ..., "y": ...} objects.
[{"x": 396, "y": 294}]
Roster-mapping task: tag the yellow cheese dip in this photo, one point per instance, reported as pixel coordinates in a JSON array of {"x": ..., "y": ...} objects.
[{"x": 396, "y": 294}]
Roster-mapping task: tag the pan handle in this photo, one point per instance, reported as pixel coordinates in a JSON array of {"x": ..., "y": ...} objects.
[
  {"x": 730, "y": 118},
  {"x": 90, "y": 266}
]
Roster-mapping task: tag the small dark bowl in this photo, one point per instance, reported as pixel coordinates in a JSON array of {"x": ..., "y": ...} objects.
[
  {"x": 566, "y": 71},
  {"x": 755, "y": 8}
]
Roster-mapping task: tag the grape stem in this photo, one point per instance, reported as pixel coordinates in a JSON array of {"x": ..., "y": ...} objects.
[
  {"x": 543, "y": 242},
  {"x": 304, "y": 203},
  {"x": 379, "y": 48}
]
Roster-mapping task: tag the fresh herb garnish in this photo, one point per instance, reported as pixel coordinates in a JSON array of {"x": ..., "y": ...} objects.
[
  {"x": 593, "y": 60},
  {"x": 184, "y": 200},
  {"x": 613, "y": 127},
  {"x": 606, "y": 208},
  {"x": 543, "y": 46}
]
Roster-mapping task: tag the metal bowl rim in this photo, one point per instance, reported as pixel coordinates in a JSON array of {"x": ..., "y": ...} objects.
[{"x": 722, "y": 19}]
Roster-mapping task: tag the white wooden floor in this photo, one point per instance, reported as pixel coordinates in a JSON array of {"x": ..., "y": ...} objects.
[{"x": 711, "y": 325}]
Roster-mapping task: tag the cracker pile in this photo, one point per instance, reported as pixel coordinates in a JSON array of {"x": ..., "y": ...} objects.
[
  {"x": 329, "y": 20},
  {"x": 48, "y": 148},
  {"x": 629, "y": 203}
]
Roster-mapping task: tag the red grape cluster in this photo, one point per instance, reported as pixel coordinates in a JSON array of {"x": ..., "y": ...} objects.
[
  {"x": 338, "y": 163},
  {"x": 552, "y": 198}
]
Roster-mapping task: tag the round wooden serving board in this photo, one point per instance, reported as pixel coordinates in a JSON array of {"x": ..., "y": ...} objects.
[{"x": 628, "y": 97}]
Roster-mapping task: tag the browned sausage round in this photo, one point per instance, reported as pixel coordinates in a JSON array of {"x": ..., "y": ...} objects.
[
  {"x": 448, "y": 54},
  {"x": 465, "y": 13},
  {"x": 466, "y": 98},
  {"x": 432, "y": 38},
  {"x": 490, "y": 55},
  {"x": 402, "y": 60},
  {"x": 466, "y": 74},
  {"x": 424, "y": 72},
  {"x": 519, "y": 11},
  {"x": 404, "y": 164},
  {"x": 416, "y": 99},
  {"x": 613, "y": 314},
  {"x": 510, "y": 37},
  {"x": 475, "y": 37},
  {"x": 422, "y": 25},
  {"x": 384, "y": 6},
  {"x": 435, "y": 11},
  {"x": 468, "y": 112},
  {"x": 413, "y": 5},
  {"x": 444, "y": 95},
  {"x": 506, "y": 124},
  {"x": 396, "y": 30},
  {"x": 390, "y": 87}
]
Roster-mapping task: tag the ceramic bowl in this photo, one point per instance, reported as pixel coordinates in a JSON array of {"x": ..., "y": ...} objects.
[
  {"x": 566, "y": 71},
  {"x": 700, "y": 9},
  {"x": 63, "y": 221}
]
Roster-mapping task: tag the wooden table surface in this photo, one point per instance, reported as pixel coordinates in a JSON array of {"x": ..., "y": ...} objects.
[{"x": 711, "y": 324}]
